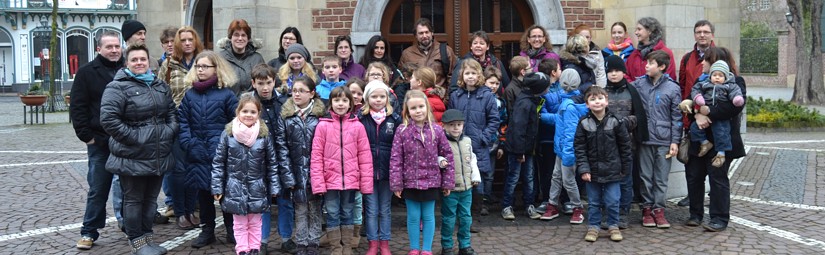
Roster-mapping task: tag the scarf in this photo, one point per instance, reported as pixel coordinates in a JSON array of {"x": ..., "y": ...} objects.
[
  {"x": 202, "y": 86},
  {"x": 302, "y": 112},
  {"x": 485, "y": 62},
  {"x": 379, "y": 116},
  {"x": 617, "y": 85},
  {"x": 291, "y": 78},
  {"x": 645, "y": 49},
  {"x": 188, "y": 66},
  {"x": 532, "y": 53},
  {"x": 147, "y": 78},
  {"x": 618, "y": 48},
  {"x": 245, "y": 135},
  {"x": 425, "y": 49}
]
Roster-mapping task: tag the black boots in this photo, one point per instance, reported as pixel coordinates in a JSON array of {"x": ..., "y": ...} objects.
[{"x": 206, "y": 237}]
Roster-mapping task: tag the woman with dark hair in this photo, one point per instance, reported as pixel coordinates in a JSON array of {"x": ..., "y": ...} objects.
[
  {"x": 480, "y": 51},
  {"x": 535, "y": 45},
  {"x": 349, "y": 69},
  {"x": 651, "y": 36},
  {"x": 620, "y": 44},
  {"x": 697, "y": 168},
  {"x": 242, "y": 53},
  {"x": 378, "y": 50},
  {"x": 289, "y": 36},
  {"x": 138, "y": 113}
]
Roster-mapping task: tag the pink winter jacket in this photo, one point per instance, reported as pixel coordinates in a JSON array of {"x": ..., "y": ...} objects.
[{"x": 341, "y": 157}]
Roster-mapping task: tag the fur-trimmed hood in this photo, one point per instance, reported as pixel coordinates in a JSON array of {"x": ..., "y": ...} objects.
[
  {"x": 569, "y": 57},
  {"x": 289, "y": 108},
  {"x": 261, "y": 134}
]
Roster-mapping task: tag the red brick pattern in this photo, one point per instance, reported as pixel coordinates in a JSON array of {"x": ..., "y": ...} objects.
[
  {"x": 335, "y": 19},
  {"x": 579, "y": 12}
]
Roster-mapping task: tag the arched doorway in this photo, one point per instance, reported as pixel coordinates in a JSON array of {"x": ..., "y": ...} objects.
[
  {"x": 200, "y": 17},
  {"x": 6, "y": 59}
]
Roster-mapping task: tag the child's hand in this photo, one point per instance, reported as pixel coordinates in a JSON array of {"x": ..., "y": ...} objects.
[
  {"x": 521, "y": 159},
  {"x": 442, "y": 164},
  {"x": 499, "y": 153},
  {"x": 475, "y": 183},
  {"x": 704, "y": 110},
  {"x": 217, "y": 197},
  {"x": 686, "y": 106},
  {"x": 446, "y": 192},
  {"x": 397, "y": 194},
  {"x": 586, "y": 177},
  {"x": 674, "y": 148}
]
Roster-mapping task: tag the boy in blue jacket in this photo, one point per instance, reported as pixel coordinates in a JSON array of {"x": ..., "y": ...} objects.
[
  {"x": 545, "y": 156},
  {"x": 332, "y": 72}
]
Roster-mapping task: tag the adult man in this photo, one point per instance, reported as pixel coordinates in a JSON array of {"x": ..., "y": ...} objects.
[
  {"x": 427, "y": 52},
  {"x": 167, "y": 42},
  {"x": 86, "y": 94},
  {"x": 691, "y": 65},
  {"x": 134, "y": 32}
]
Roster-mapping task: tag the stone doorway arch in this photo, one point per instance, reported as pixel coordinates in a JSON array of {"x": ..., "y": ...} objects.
[{"x": 199, "y": 16}]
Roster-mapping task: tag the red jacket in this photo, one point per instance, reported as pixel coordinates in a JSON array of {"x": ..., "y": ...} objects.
[
  {"x": 690, "y": 68},
  {"x": 636, "y": 64},
  {"x": 436, "y": 104},
  {"x": 341, "y": 157}
]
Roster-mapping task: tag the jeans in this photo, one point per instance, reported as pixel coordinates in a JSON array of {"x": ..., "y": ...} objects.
[
  {"x": 485, "y": 187},
  {"x": 308, "y": 219},
  {"x": 564, "y": 176},
  {"x": 117, "y": 198},
  {"x": 416, "y": 213},
  {"x": 247, "y": 232},
  {"x": 525, "y": 170},
  {"x": 626, "y": 188},
  {"x": 655, "y": 169},
  {"x": 186, "y": 196},
  {"x": 545, "y": 162},
  {"x": 339, "y": 205},
  {"x": 695, "y": 171},
  {"x": 358, "y": 209},
  {"x": 721, "y": 134},
  {"x": 167, "y": 189},
  {"x": 377, "y": 207},
  {"x": 286, "y": 218},
  {"x": 456, "y": 205},
  {"x": 266, "y": 222},
  {"x": 603, "y": 196},
  {"x": 140, "y": 195},
  {"x": 100, "y": 182}
]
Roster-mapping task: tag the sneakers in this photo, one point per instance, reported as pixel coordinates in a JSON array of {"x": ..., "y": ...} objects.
[
  {"x": 447, "y": 251},
  {"x": 289, "y": 246},
  {"x": 659, "y": 218},
  {"x": 85, "y": 243},
  {"x": 160, "y": 219},
  {"x": 531, "y": 212},
  {"x": 507, "y": 213},
  {"x": 715, "y": 227},
  {"x": 484, "y": 210},
  {"x": 592, "y": 234},
  {"x": 647, "y": 217},
  {"x": 704, "y": 148},
  {"x": 693, "y": 222},
  {"x": 542, "y": 207},
  {"x": 170, "y": 212},
  {"x": 615, "y": 234},
  {"x": 622, "y": 221},
  {"x": 578, "y": 216},
  {"x": 466, "y": 251},
  {"x": 550, "y": 213},
  {"x": 718, "y": 160},
  {"x": 414, "y": 252},
  {"x": 568, "y": 208}
]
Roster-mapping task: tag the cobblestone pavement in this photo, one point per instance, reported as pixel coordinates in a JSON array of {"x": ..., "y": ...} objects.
[{"x": 778, "y": 205}]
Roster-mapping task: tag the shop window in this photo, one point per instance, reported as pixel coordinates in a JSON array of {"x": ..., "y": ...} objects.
[
  {"x": 40, "y": 61},
  {"x": 77, "y": 50}
]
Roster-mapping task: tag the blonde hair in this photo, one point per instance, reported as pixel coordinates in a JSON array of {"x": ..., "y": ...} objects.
[
  {"x": 577, "y": 45},
  {"x": 387, "y": 105},
  {"x": 285, "y": 70},
  {"x": 384, "y": 69},
  {"x": 405, "y": 113},
  {"x": 426, "y": 75},
  {"x": 471, "y": 63},
  {"x": 225, "y": 73}
]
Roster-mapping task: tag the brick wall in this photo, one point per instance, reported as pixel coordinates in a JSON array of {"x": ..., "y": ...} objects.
[
  {"x": 579, "y": 12},
  {"x": 336, "y": 19}
]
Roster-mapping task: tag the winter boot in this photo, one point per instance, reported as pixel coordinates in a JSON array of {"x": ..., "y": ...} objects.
[
  {"x": 323, "y": 241},
  {"x": 206, "y": 237},
  {"x": 300, "y": 249},
  {"x": 334, "y": 237},
  {"x": 347, "y": 233},
  {"x": 373, "y": 250},
  {"x": 230, "y": 232},
  {"x": 151, "y": 243},
  {"x": 356, "y": 236},
  {"x": 140, "y": 247},
  {"x": 312, "y": 249}
]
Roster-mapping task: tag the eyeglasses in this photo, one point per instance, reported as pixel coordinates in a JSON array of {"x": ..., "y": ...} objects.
[
  {"x": 536, "y": 36},
  {"x": 289, "y": 38},
  {"x": 703, "y": 33},
  {"x": 300, "y": 91},
  {"x": 376, "y": 74},
  {"x": 203, "y": 67}
]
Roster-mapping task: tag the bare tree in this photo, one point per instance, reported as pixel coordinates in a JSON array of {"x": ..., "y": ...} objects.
[{"x": 809, "y": 87}]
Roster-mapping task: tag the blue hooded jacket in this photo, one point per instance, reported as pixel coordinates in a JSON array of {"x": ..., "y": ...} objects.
[{"x": 565, "y": 120}]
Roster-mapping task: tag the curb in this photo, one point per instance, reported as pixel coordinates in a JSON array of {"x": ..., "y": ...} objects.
[{"x": 784, "y": 130}]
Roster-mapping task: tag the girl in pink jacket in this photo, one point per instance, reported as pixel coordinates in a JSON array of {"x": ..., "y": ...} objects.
[{"x": 341, "y": 165}]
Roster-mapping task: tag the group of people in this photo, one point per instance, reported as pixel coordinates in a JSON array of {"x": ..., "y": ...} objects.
[{"x": 333, "y": 146}]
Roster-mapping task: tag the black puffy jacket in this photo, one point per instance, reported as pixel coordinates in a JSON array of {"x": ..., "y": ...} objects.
[
  {"x": 246, "y": 176},
  {"x": 141, "y": 122},
  {"x": 381, "y": 142},
  {"x": 603, "y": 148},
  {"x": 271, "y": 115},
  {"x": 299, "y": 133}
]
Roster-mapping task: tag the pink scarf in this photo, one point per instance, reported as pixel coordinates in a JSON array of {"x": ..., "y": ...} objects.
[
  {"x": 379, "y": 116},
  {"x": 245, "y": 135}
]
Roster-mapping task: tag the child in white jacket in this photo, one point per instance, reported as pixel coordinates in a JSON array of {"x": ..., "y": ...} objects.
[{"x": 467, "y": 175}]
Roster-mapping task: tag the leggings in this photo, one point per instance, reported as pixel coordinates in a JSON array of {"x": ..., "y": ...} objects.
[{"x": 416, "y": 213}]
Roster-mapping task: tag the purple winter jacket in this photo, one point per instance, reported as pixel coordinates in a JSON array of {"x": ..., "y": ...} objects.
[
  {"x": 413, "y": 162},
  {"x": 350, "y": 69},
  {"x": 541, "y": 55}
]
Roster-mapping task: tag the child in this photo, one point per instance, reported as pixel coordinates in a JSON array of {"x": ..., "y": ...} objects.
[
  {"x": 545, "y": 155},
  {"x": 603, "y": 158},
  {"x": 263, "y": 81},
  {"x": 478, "y": 103},
  {"x": 521, "y": 143},
  {"x": 519, "y": 67},
  {"x": 300, "y": 115},
  {"x": 380, "y": 121},
  {"x": 423, "y": 79},
  {"x": 245, "y": 186},
  {"x": 373, "y": 71},
  {"x": 332, "y": 70},
  {"x": 341, "y": 166},
  {"x": 626, "y": 105},
  {"x": 414, "y": 175},
  {"x": 458, "y": 203},
  {"x": 356, "y": 86},
  {"x": 721, "y": 88},
  {"x": 564, "y": 173},
  {"x": 299, "y": 64},
  {"x": 660, "y": 97},
  {"x": 492, "y": 76}
]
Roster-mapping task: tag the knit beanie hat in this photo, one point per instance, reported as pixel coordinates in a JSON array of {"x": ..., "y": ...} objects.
[
  {"x": 374, "y": 85},
  {"x": 298, "y": 48},
  {"x": 614, "y": 63},
  {"x": 130, "y": 27},
  {"x": 721, "y": 66},
  {"x": 570, "y": 80},
  {"x": 535, "y": 82}
]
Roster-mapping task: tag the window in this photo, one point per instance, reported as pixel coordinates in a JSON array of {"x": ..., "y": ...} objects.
[
  {"x": 77, "y": 50},
  {"x": 40, "y": 61},
  {"x": 765, "y": 5}
]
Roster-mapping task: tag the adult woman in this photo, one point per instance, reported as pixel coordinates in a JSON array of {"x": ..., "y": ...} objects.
[
  {"x": 289, "y": 36},
  {"x": 620, "y": 44},
  {"x": 697, "y": 168},
  {"x": 574, "y": 56},
  {"x": 535, "y": 45},
  {"x": 479, "y": 50},
  {"x": 204, "y": 111},
  {"x": 174, "y": 69},
  {"x": 651, "y": 36},
  {"x": 297, "y": 56},
  {"x": 241, "y": 52},
  {"x": 138, "y": 113},
  {"x": 378, "y": 50},
  {"x": 594, "y": 58},
  {"x": 343, "y": 48}
]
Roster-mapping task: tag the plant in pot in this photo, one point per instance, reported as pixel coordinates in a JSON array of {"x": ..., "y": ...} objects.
[{"x": 34, "y": 96}]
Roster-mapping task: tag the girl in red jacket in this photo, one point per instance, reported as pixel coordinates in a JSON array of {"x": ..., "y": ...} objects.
[{"x": 341, "y": 165}]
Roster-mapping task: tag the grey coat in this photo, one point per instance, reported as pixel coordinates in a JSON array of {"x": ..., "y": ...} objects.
[
  {"x": 243, "y": 65},
  {"x": 141, "y": 121},
  {"x": 246, "y": 176},
  {"x": 661, "y": 103}
]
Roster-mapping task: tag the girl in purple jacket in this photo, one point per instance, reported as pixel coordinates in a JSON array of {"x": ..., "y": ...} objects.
[{"x": 417, "y": 174}]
